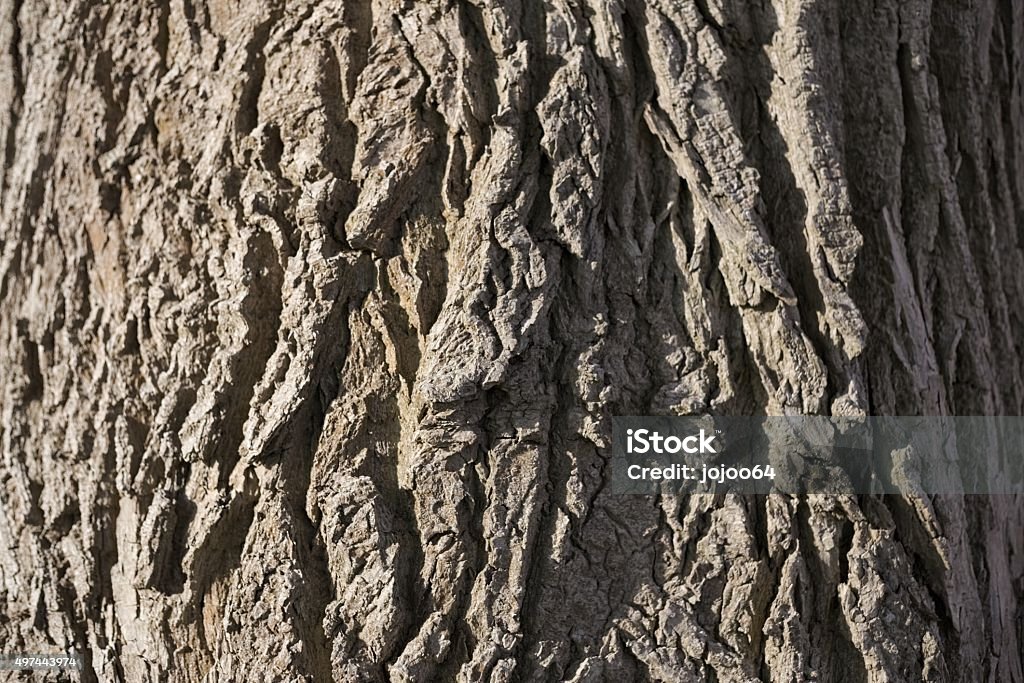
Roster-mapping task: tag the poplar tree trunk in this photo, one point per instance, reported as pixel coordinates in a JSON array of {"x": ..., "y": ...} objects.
[{"x": 314, "y": 315}]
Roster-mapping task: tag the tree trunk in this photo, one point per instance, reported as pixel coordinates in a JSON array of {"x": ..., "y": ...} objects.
[{"x": 313, "y": 318}]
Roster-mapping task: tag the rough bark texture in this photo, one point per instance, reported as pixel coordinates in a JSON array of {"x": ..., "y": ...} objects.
[{"x": 314, "y": 315}]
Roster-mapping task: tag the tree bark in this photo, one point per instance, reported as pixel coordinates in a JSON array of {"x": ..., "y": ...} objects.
[{"x": 313, "y": 318}]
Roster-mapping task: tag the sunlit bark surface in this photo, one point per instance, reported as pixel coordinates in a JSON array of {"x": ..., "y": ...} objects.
[{"x": 313, "y": 317}]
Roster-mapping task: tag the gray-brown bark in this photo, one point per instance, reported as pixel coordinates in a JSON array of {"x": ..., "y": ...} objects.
[{"x": 314, "y": 316}]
